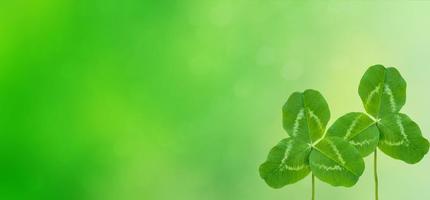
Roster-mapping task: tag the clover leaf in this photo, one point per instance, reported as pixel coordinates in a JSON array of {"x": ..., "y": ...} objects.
[
  {"x": 359, "y": 130},
  {"x": 382, "y": 90},
  {"x": 305, "y": 115},
  {"x": 401, "y": 138},
  {"x": 287, "y": 163},
  {"x": 336, "y": 162},
  {"x": 383, "y": 93},
  {"x": 331, "y": 159}
]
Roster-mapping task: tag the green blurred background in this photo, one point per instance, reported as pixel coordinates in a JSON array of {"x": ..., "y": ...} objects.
[{"x": 157, "y": 100}]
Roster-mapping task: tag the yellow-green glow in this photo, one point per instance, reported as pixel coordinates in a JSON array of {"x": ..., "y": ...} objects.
[{"x": 160, "y": 100}]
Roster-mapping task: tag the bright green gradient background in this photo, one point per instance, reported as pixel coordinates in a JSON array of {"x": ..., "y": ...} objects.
[{"x": 157, "y": 100}]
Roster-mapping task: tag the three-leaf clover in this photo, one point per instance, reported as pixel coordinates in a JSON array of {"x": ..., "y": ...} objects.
[
  {"x": 331, "y": 159},
  {"x": 383, "y": 93}
]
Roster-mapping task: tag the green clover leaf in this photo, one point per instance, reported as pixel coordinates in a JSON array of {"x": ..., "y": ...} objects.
[
  {"x": 401, "y": 138},
  {"x": 382, "y": 90},
  {"x": 331, "y": 159},
  {"x": 383, "y": 93},
  {"x": 359, "y": 130},
  {"x": 335, "y": 161},
  {"x": 305, "y": 115},
  {"x": 287, "y": 163}
]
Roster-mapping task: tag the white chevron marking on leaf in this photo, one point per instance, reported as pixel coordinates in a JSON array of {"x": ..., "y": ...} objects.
[
  {"x": 402, "y": 129},
  {"x": 362, "y": 143},
  {"x": 328, "y": 168},
  {"x": 372, "y": 94},
  {"x": 387, "y": 90},
  {"x": 404, "y": 141},
  {"x": 287, "y": 150},
  {"x": 336, "y": 151},
  {"x": 299, "y": 117},
  {"x": 353, "y": 124},
  {"x": 316, "y": 118},
  {"x": 294, "y": 168}
]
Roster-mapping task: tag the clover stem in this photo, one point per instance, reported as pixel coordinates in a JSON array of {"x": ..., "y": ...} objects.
[
  {"x": 375, "y": 172},
  {"x": 313, "y": 187}
]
